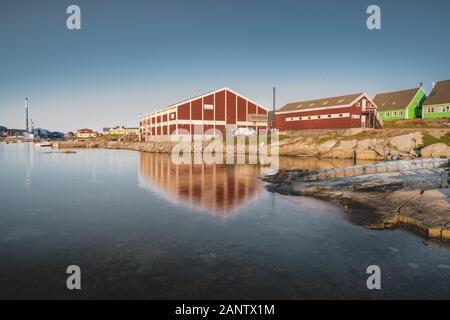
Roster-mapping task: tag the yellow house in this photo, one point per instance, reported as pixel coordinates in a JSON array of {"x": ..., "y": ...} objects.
[
  {"x": 121, "y": 130},
  {"x": 132, "y": 131}
]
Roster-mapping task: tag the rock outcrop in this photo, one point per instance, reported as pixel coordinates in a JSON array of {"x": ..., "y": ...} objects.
[
  {"x": 403, "y": 146},
  {"x": 437, "y": 150},
  {"x": 411, "y": 193},
  {"x": 406, "y": 143}
]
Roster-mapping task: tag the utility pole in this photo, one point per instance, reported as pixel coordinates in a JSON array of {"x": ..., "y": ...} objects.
[
  {"x": 273, "y": 106},
  {"x": 26, "y": 115}
]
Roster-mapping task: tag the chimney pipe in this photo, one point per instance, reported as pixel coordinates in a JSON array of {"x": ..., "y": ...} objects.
[
  {"x": 26, "y": 115},
  {"x": 273, "y": 102},
  {"x": 273, "y": 105}
]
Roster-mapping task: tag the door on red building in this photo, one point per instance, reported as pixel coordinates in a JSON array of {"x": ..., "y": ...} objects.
[{"x": 363, "y": 121}]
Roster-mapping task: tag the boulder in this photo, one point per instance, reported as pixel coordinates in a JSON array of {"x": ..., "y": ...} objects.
[
  {"x": 406, "y": 142},
  {"x": 305, "y": 150},
  {"x": 437, "y": 150},
  {"x": 366, "y": 143},
  {"x": 347, "y": 144},
  {"x": 326, "y": 147},
  {"x": 338, "y": 153},
  {"x": 367, "y": 154},
  {"x": 343, "y": 150},
  {"x": 380, "y": 150}
]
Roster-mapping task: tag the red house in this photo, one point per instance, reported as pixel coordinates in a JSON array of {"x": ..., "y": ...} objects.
[
  {"x": 218, "y": 110},
  {"x": 343, "y": 112},
  {"x": 87, "y": 133}
]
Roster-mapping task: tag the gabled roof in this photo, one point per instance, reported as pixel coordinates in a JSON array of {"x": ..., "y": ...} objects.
[
  {"x": 440, "y": 94},
  {"x": 339, "y": 101},
  {"x": 395, "y": 99},
  {"x": 202, "y": 96}
]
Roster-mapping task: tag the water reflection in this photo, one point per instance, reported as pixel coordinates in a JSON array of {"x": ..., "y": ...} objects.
[
  {"x": 135, "y": 246},
  {"x": 218, "y": 189}
]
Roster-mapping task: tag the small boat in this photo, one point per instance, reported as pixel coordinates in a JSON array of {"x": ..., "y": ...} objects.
[{"x": 43, "y": 144}]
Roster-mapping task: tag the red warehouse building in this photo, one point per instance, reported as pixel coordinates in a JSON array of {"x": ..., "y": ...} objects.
[
  {"x": 343, "y": 112},
  {"x": 221, "y": 110}
]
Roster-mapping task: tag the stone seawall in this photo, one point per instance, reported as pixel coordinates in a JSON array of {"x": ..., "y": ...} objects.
[
  {"x": 152, "y": 147},
  {"x": 368, "y": 145},
  {"x": 156, "y": 147}
]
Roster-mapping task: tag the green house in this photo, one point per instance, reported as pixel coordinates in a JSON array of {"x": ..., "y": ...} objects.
[
  {"x": 398, "y": 105},
  {"x": 437, "y": 105}
]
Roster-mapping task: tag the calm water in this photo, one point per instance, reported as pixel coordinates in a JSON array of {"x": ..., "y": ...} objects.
[{"x": 141, "y": 227}]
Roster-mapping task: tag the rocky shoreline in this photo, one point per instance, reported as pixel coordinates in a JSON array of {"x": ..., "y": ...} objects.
[
  {"x": 156, "y": 147},
  {"x": 376, "y": 145},
  {"x": 408, "y": 193},
  {"x": 368, "y": 145}
]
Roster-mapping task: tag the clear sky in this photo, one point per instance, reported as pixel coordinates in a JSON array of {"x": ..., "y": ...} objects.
[{"x": 133, "y": 57}]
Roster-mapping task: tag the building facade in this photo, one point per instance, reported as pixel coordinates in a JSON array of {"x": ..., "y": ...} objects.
[
  {"x": 342, "y": 112},
  {"x": 220, "y": 110},
  {"x": 400, "y": 105},
  {"x": 87, "y": 134},
  {"x": 40, "y": 133},
  {"x": 120, "y": 131},
  {"x": 437, "y": 105},
  {"x": 3, "y": 131}
]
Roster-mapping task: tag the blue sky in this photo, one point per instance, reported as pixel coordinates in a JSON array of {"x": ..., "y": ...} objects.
[{"x": 133, "y": 57}]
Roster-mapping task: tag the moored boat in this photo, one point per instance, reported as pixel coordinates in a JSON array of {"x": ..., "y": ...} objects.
[{"x": 43, "y": 144}]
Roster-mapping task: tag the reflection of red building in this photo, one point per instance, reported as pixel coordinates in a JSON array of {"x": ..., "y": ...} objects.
[
  {"x": 219, "y": 110},
  {"x": 216, "y": 188}
]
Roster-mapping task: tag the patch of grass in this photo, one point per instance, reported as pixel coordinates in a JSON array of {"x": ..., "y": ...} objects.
[
  {"x": 370, "y": 134},
  {"x": 428, "y": 139},
  {"x": 327, "y": 137},
  {"x": 445, "y": 139},
  {"x": 417, "y": 123}
]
